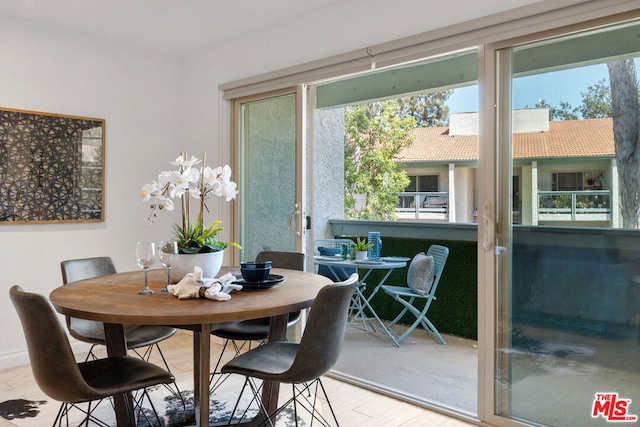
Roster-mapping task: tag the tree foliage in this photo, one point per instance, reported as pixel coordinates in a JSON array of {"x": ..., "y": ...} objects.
[
  {"x": 374, "y": 134},
  {"x": 596, "y": 101},
  {"x": 428, "y": 109},
  {"x": 564, "y": 112},
  {"x": 596, "y": 104}
]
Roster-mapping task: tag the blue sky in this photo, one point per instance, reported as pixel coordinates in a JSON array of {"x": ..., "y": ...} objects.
[{"x": 553, "y": 87}]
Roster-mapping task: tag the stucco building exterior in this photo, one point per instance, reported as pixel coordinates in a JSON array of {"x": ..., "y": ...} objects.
[{"x": 564, "y": 172}]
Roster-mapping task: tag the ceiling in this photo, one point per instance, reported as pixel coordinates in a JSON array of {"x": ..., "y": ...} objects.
[{"x": 173, "y": 25}]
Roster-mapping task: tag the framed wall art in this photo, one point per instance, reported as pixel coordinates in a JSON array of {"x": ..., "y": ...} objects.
[{"x": 51, "y": 168}]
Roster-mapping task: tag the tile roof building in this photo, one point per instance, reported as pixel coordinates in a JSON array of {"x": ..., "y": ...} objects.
[
  {"x": 569, "y": 138},
  {"x": 545, "y": 155}
]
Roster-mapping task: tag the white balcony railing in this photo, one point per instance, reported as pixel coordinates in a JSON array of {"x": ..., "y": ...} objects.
[
  {"x": 590, "y": 205},
  {"x": 423, "y": 205}
]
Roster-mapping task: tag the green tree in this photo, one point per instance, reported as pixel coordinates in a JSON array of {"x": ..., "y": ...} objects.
[
  {"x": 428, "y": 109},
  {"x": 596, "y": 101},
  {"x": 596, "y": 104},
  {"x": 564, "y": 112},
  {"x": 374, "y": 134}
]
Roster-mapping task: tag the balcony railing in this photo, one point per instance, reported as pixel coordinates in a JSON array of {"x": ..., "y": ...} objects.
[
  {"x": 423, "y": 205},
  {"x": 591, "y": 205}
]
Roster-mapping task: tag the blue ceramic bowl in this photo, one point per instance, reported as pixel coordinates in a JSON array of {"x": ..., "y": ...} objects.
[
  {"x": 253, "y": 265},
  {"x": 255, "y": 274}
]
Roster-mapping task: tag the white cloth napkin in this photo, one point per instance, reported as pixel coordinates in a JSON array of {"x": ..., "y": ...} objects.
[
  {"x": 193, "y": 285},
  {"x": 220, "y": 289}
]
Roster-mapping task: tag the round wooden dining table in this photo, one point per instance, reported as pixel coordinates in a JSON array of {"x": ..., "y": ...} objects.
[{"x": 113, "y": 299}]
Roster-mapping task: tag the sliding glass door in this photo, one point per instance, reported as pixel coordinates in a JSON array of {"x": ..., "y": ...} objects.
[
  {"x": 270, "y": 155},
  {"x": 567, "y": 341},
  {"x": 554, "y": 190}
]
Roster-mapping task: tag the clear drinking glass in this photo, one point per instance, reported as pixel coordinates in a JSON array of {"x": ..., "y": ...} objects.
[
  {"x": 145, "y": 257},
  {"x": 168, "y": 252}
]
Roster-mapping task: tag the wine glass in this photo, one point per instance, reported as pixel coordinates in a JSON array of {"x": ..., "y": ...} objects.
[
  {"x": 168, "y": 252},
  {"x": 145, "y": 257}
]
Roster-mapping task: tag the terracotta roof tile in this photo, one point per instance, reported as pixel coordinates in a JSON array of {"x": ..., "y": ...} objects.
[{"x": 569, "y": 138}]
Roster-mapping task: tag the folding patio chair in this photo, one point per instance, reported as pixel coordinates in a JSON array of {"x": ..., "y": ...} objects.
[{"x": 406, "y": 296}]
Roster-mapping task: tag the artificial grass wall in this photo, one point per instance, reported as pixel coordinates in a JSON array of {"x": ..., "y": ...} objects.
[{"x": 455, "y": 309}]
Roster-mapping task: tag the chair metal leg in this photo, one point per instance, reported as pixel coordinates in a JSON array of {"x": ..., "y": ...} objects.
[
  {"x": 216, "y": 374},
  {"x": 399, "y": 316},
  {"x": 146, "y": 355},
  {"x": 299, "y": 399},
  {"x": 91, "y": 355},
  {"x": 216, "y": 379},
  {"x": 257, "y": 397},
  {"x": 66, "y": 408},
  {"x": 421, "y": 319},
  {"x": 326, "y": 397},
  {"x": 142, "y": 413}
]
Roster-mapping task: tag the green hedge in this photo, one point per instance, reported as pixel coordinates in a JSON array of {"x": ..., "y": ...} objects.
[{"x": 455, "y": 309}]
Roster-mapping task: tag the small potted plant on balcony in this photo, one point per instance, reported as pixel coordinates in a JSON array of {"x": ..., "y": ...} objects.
[{"x": 361, "y": 249}]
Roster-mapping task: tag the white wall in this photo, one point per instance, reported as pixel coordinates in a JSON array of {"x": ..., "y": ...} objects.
[
  {"x": 139, "y": 95},
  {"x": 156, "y": 105},
  {"x": 338, "y": 28}
]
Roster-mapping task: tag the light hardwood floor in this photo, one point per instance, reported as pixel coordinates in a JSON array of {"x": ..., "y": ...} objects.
[{"x": 354, "y": 406}]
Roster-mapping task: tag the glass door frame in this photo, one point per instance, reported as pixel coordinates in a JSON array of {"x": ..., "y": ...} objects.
[
  {"x": 492, "y": 96},
  {"x": 495, "y": 201},
  {"x": 298, "y": 218}
]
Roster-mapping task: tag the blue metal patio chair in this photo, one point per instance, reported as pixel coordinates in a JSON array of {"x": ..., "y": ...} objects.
[
  {"x": 331, "y": 247},
  {"x": 406, "y": 296}
]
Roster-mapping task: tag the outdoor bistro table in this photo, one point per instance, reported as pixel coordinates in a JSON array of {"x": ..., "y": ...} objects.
[
  {"x": 337, "y": 264},
  {"x": 114, "y": 300}
]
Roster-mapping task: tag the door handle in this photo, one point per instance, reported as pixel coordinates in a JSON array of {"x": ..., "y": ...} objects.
[
  {"x": 488, "y": 226},
  {"x": 295, "y": 213}
]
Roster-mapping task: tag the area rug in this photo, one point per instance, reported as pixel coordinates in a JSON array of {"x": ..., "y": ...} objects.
[{"x": 171, "y": 410}]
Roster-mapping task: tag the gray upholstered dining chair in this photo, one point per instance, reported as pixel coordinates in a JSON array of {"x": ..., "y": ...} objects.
[
  {"x": 239, "y": 335},
  {"x": 280, "y": 259},
  {"x": 141, "y": 339},
  {"x": 63, "y": 379},
  {"x": 300, "y": 364}
]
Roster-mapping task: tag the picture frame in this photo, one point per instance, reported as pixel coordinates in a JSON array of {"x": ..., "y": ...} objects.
[{"x": 51, "y": 168}]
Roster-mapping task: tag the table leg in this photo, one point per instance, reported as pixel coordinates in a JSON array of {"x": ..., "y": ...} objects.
[
  {"x": 361, "y": 302},
  {"x": 117, "y": 347},
  {"x": 201, "y": 366},
  {"x": 356, "y": 311},
  {"x": 271, "y": 390},
  {"x": 367, "y": 304},
  {"x": 358, "y": 300}
]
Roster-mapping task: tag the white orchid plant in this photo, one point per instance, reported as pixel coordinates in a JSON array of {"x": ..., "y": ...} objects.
[{"x": 191, "y": 180}]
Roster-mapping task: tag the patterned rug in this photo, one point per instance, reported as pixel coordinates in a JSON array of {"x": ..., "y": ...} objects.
[{"x": 172, "y": 412}]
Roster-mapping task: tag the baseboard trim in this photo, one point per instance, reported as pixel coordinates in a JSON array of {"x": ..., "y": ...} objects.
[{"x": 21, "y": 357}]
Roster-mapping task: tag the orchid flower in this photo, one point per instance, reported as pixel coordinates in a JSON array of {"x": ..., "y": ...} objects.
[{"x": 199, "y": 183}]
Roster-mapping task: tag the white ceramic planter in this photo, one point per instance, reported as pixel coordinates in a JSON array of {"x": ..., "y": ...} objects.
[
  {"x": 209, "y": 262},
  {"x": 361, "y": 255}
]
